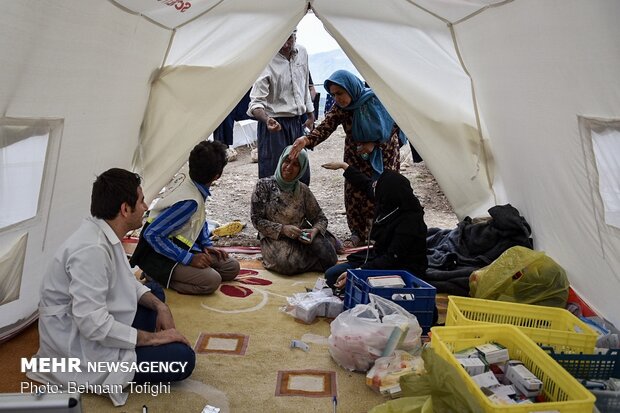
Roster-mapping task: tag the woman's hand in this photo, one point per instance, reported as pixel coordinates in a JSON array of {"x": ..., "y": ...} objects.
[
  {"x": 341, "y": 281},
  {"x": 312, "y": 233},
  {"x": 335, "y": 165},
  {"x": 298, "y": 145},
  {"x": 290, "y": 231}
]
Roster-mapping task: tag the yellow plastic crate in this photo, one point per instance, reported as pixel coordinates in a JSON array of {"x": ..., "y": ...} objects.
[
  {"x": 547, "y": 326},
  {"x": 561, "y": 390}
]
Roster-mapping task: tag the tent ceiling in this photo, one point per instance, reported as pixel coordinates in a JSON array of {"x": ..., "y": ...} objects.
[{"x": 94, "y": 68}]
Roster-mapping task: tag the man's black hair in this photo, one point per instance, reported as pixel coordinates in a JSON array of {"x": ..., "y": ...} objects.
[
  {"x": 111, "y": 189},
  {"x": 207, "y": 161}
]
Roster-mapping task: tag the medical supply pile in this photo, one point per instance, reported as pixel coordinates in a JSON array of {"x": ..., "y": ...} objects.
[{"x": 503, "y": 380}]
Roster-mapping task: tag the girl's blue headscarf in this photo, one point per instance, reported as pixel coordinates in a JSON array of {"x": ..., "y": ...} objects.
[
  {"x": 371, "y": 122},
  {"x": 290, "y": 186}
]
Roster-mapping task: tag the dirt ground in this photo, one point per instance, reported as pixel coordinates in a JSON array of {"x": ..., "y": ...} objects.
[{"x": 232, "y": 192}]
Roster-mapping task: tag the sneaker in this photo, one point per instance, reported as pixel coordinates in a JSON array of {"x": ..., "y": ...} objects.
[{"x": 229, "y": 229}]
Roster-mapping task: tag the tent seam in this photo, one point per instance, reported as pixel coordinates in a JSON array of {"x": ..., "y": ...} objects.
[
  {"x": 126, "y": 10},
  {"x": 483, "y": 150}
]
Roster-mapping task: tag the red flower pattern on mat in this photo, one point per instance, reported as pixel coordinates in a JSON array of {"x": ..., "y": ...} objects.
[
  {"x": 244, "y": 277},
  {"x": 245, "y": 271},
  {"x": 235, "y": 291},
  {"x": 254, "y": 281}
]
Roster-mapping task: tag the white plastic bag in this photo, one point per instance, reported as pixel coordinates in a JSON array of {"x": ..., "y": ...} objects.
[
  {"x": 307, "y": 306},
  {"x": 368, "y": 331}
]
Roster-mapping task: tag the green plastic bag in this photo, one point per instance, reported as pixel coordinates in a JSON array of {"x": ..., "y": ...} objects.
[
  {"x": 441, "y": 390},
  {"x": 521, "y": 275},
  {"x": 416, "y": 404}
]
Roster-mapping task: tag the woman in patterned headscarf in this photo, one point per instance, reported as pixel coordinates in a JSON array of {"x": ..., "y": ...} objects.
[
  {"x": 291, "y": 225},
  {"x": 371, "y": 145}
]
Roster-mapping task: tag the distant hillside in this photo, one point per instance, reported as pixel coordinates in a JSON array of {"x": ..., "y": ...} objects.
[{"x": 324, "y": 64}]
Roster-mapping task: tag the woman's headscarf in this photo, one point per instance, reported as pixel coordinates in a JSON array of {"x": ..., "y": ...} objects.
[
  {"x": 371, "y": 121},
  {"x": 291, "y": 186},
  {"x": 393, "y": 191}
]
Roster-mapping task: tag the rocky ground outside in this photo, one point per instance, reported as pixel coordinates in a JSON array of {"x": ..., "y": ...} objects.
[{"x": 231, "y": 194}]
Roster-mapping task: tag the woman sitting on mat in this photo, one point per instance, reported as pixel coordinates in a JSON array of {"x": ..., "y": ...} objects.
[
  {"x": 398, "y": 229},
  {"x": 371, "y": 143},
  {"x": 291, "y": 225}
]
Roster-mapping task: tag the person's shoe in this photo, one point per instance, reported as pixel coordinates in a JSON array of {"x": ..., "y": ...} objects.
[
  {"x": 353, "y": 241},
  {"x": 228, "y": 229}
]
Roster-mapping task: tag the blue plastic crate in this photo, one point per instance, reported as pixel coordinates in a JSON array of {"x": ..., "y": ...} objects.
[
  {"x": 422, "y": 306},
  {"x": 589, "y": 366}
]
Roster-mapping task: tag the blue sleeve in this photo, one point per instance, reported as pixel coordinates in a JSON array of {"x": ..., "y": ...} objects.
[
  {"x": 204, "y": 239},
  {"x": 158, "y": 232}
]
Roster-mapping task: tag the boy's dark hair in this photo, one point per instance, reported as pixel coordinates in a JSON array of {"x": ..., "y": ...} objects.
[
  {"x": 111, "y": 189},
  {"x": 207, "y": 161}
]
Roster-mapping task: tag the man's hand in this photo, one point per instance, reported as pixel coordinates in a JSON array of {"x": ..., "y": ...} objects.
[
  {"x": 164, "y": 318},
  {"x": 290, "y": 231},
  {"x": 200, "y": 260},
  {"x": 298, "y": 145},
  {"x": 161, "y": 337},
  {"x": 219, "y": 254},
  {"x": 309, "y": 123},
  {"x": 273, "y": 125}
]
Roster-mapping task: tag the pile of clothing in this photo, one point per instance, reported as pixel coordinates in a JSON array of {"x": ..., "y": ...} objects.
[{"x": 453, "y": 254}]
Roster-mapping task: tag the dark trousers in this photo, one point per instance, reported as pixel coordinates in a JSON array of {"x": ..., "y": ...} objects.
[
  {"x": 145, "y": 320},
  {"x": 224, "y": 132}
]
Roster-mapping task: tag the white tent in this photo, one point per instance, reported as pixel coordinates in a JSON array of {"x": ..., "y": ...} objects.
[{"x": 508, "y": 101}]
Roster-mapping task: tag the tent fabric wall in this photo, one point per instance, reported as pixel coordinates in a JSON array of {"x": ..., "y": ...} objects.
[
  {"x": 86, "y": 66},
  {"x": 537, "y": 67},
  {"x": 212, "y": 63},
  {"x": 490, "y": 91},
  {"x": 392, "y": 43}
]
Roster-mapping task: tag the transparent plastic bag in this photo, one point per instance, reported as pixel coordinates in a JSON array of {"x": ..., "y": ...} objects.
[
  {"x": 368, "y": 331},
  {"x": 524, "y": 276},
  {"x": 386, "y": 372},
  {"x": 307, "y": 306}
]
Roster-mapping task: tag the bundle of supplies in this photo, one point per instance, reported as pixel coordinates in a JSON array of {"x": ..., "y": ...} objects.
[
  {"x": 503, "y": 380},
  {"x": 366, "y": 332},
  {"x": 384, "y": 376},
  {"x": 307, "y": 306},
  {"x": 391, "y": 281}
]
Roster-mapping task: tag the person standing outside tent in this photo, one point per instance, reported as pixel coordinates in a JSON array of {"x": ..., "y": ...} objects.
[
  {"x": 371, "y": 145},
  {"x": 174, "y": 246},
  {"x": 94, "y": 309},
  {"x": 278, "y": 100},
  {"x": 224, "y": 132}
]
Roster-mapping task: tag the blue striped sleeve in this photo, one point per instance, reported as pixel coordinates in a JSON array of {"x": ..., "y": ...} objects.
[
  {"x": 164, "y": 225},
  {"x": 204, "y": 239}
]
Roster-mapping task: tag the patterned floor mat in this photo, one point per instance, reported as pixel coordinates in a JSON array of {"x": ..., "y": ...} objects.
[
  {"x": 306, "y": 383},
  {"x": 222, "y": 343}
]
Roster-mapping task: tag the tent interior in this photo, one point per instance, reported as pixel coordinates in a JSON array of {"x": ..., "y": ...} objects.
[{"x": 507, "y": 102}]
